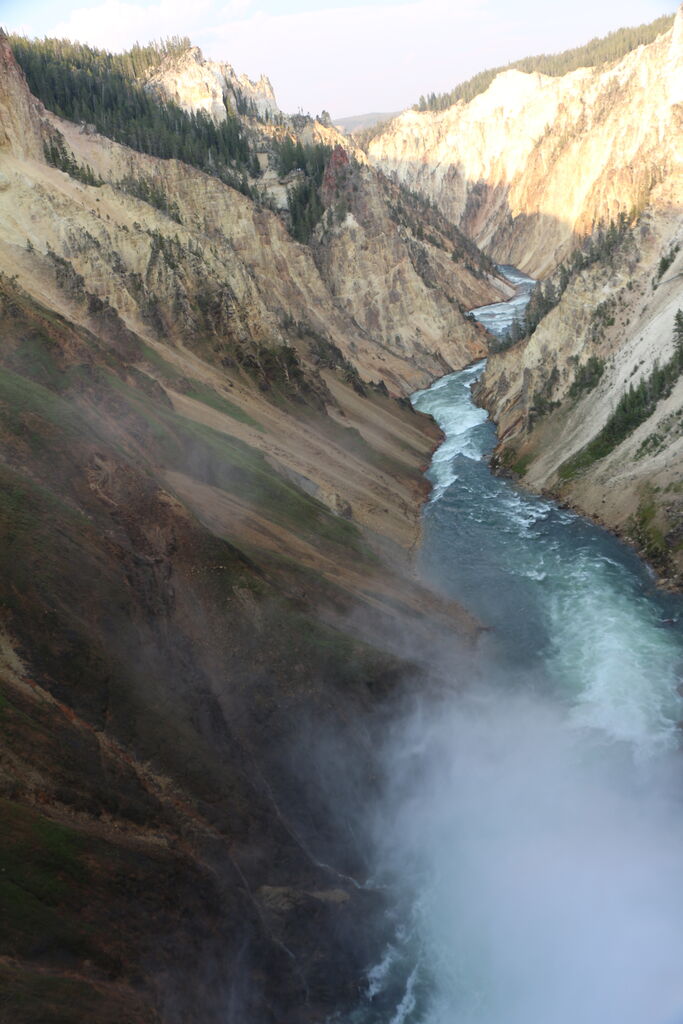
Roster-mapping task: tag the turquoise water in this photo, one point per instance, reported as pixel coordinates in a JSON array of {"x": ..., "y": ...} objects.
[
  {"x": 566, "y": 600},
  {"x": 533, "y": 832}
]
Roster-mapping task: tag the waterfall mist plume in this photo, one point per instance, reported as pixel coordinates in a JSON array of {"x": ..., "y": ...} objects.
[
  {"x": 529, "y": 832},
  {"x": 542, "y": 865}
]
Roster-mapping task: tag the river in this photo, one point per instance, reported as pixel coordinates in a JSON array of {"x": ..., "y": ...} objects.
[{"x": 532, "y": 835}]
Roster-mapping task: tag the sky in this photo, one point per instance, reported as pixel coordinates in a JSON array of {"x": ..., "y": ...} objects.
[{"x": 344, "y": 56}]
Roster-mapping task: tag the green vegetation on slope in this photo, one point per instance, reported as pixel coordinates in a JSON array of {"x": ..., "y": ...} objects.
[
  {"x": 633, "y": 408},
  {"x": 150, "y": 192},
  {"x": 301, "y": 156},
  {"x": 647, "y": 532},
  {"x": 232, "y": 465},
  {"x": 81, "y": 83},
  {"x": 305, "y": 209},
  {"x": 57, "y": 154},
  {"x": 587, "y": 376},
  {"x": 427, "y": 223},
  {"x": 603, "y": 246},
  {"x": 665, "y": 262},
  {"x": 39, "y": 862},
  {"x": 598, "y": 51},
  {"x": 305, "y": 204}
]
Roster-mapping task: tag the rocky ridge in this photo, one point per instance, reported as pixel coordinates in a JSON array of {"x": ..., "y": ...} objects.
[
  {"x": 536, "y": 161},
  {"x": 195, "y": 84}
]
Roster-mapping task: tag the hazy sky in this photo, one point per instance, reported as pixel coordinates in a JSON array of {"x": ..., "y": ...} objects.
[{"x": 348, "y": 57}]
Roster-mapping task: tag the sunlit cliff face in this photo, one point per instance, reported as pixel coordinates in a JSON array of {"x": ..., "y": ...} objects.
[
  {"x": 565, "y": 152},
  {"x": 196, "y": 84}
]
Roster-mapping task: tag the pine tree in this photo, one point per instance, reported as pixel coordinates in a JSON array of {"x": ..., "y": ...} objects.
[
  {"x": 81, "y": 83},
  {"x": 678, "y": 337}
]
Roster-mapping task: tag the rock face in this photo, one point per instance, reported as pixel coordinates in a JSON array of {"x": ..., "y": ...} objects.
[
  {"x": 19, "y": 123},
  {"x": 406, "y": 293},
  {"x": 242, "y": 258},
  {"x": 205, "y": 519},
  {"x": 535, "y": 160},
  {"x": 527, "y": 169},
  {"x": 620, "y": 314},
  {"x": 206, "y": 510},
  {"x": 196, "y": 84}
]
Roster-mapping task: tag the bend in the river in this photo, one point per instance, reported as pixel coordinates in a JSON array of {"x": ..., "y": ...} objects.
[{"x": 535, "y": 823}]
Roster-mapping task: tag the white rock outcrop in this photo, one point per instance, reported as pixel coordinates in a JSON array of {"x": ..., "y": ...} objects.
[{"x": 197, "y": 84}]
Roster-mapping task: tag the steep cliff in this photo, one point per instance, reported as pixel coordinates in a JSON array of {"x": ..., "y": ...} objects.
[
  {"x": 536, "y": 161},
  {"x": 531, "y": 168},
  {"x": 19, "y": 116},
  {"x": 398, "y": 270},
  {"x": 196, "y": 84},
  {"x": 205, "y": 236},
  {"x": 205, "y": 524},
  {"x": 589, "y": 407}
]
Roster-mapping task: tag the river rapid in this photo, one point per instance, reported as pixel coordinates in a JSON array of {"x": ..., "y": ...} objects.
[{"x": 533, "y": 830}]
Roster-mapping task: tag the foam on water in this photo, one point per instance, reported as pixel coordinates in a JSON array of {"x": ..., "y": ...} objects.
[
  {"x": 499, "y": 317},
  {"x": 533, "y": 830},
  {"x": 449, "y": 402},
  {"x": 601, "y": 644}
]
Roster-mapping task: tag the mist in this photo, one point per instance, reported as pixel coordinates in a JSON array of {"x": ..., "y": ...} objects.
[
  {"x": 539, "y": 864},
  {"x": 530, "y": 826}
]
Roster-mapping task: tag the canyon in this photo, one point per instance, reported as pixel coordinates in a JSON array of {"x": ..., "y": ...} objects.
[
  {"x": 212, "y": 495},
  {"x": 206, "y": 526},
  {"x": 531, "y": 169}
]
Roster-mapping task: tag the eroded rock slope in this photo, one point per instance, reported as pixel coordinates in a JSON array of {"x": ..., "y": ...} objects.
[
  {"x": 561, "y": 398},
  {"x": 536, "y": 160},
  {"x": 205, "y": 523}
]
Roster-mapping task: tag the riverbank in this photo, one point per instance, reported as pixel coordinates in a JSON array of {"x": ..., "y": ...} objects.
[
  {"x": 588, "y": 407},
  {"x": 511, "y": 795},
  {"x": 627, "y": 514},
  {"x": 604, "y": 521}
]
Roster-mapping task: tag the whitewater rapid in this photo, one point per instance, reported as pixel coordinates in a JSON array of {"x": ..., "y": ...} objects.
[
  {"x": 566, "y": 600},
  {"x": 532, "y": 832}
]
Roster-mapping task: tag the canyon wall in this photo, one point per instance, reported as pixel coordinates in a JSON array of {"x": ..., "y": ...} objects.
[
  {"x": 211, "y": 485},
  {"x": 206, "y": 519},
  {"x": 536, "y": 161},
  {"x": 554, "y": 394},
  {"x": 531, "y": 169}
]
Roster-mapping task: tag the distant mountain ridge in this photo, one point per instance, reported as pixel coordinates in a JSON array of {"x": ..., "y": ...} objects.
[
  {"x": 358, "y": 122},
  {"x": 592, "y": 54}
]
